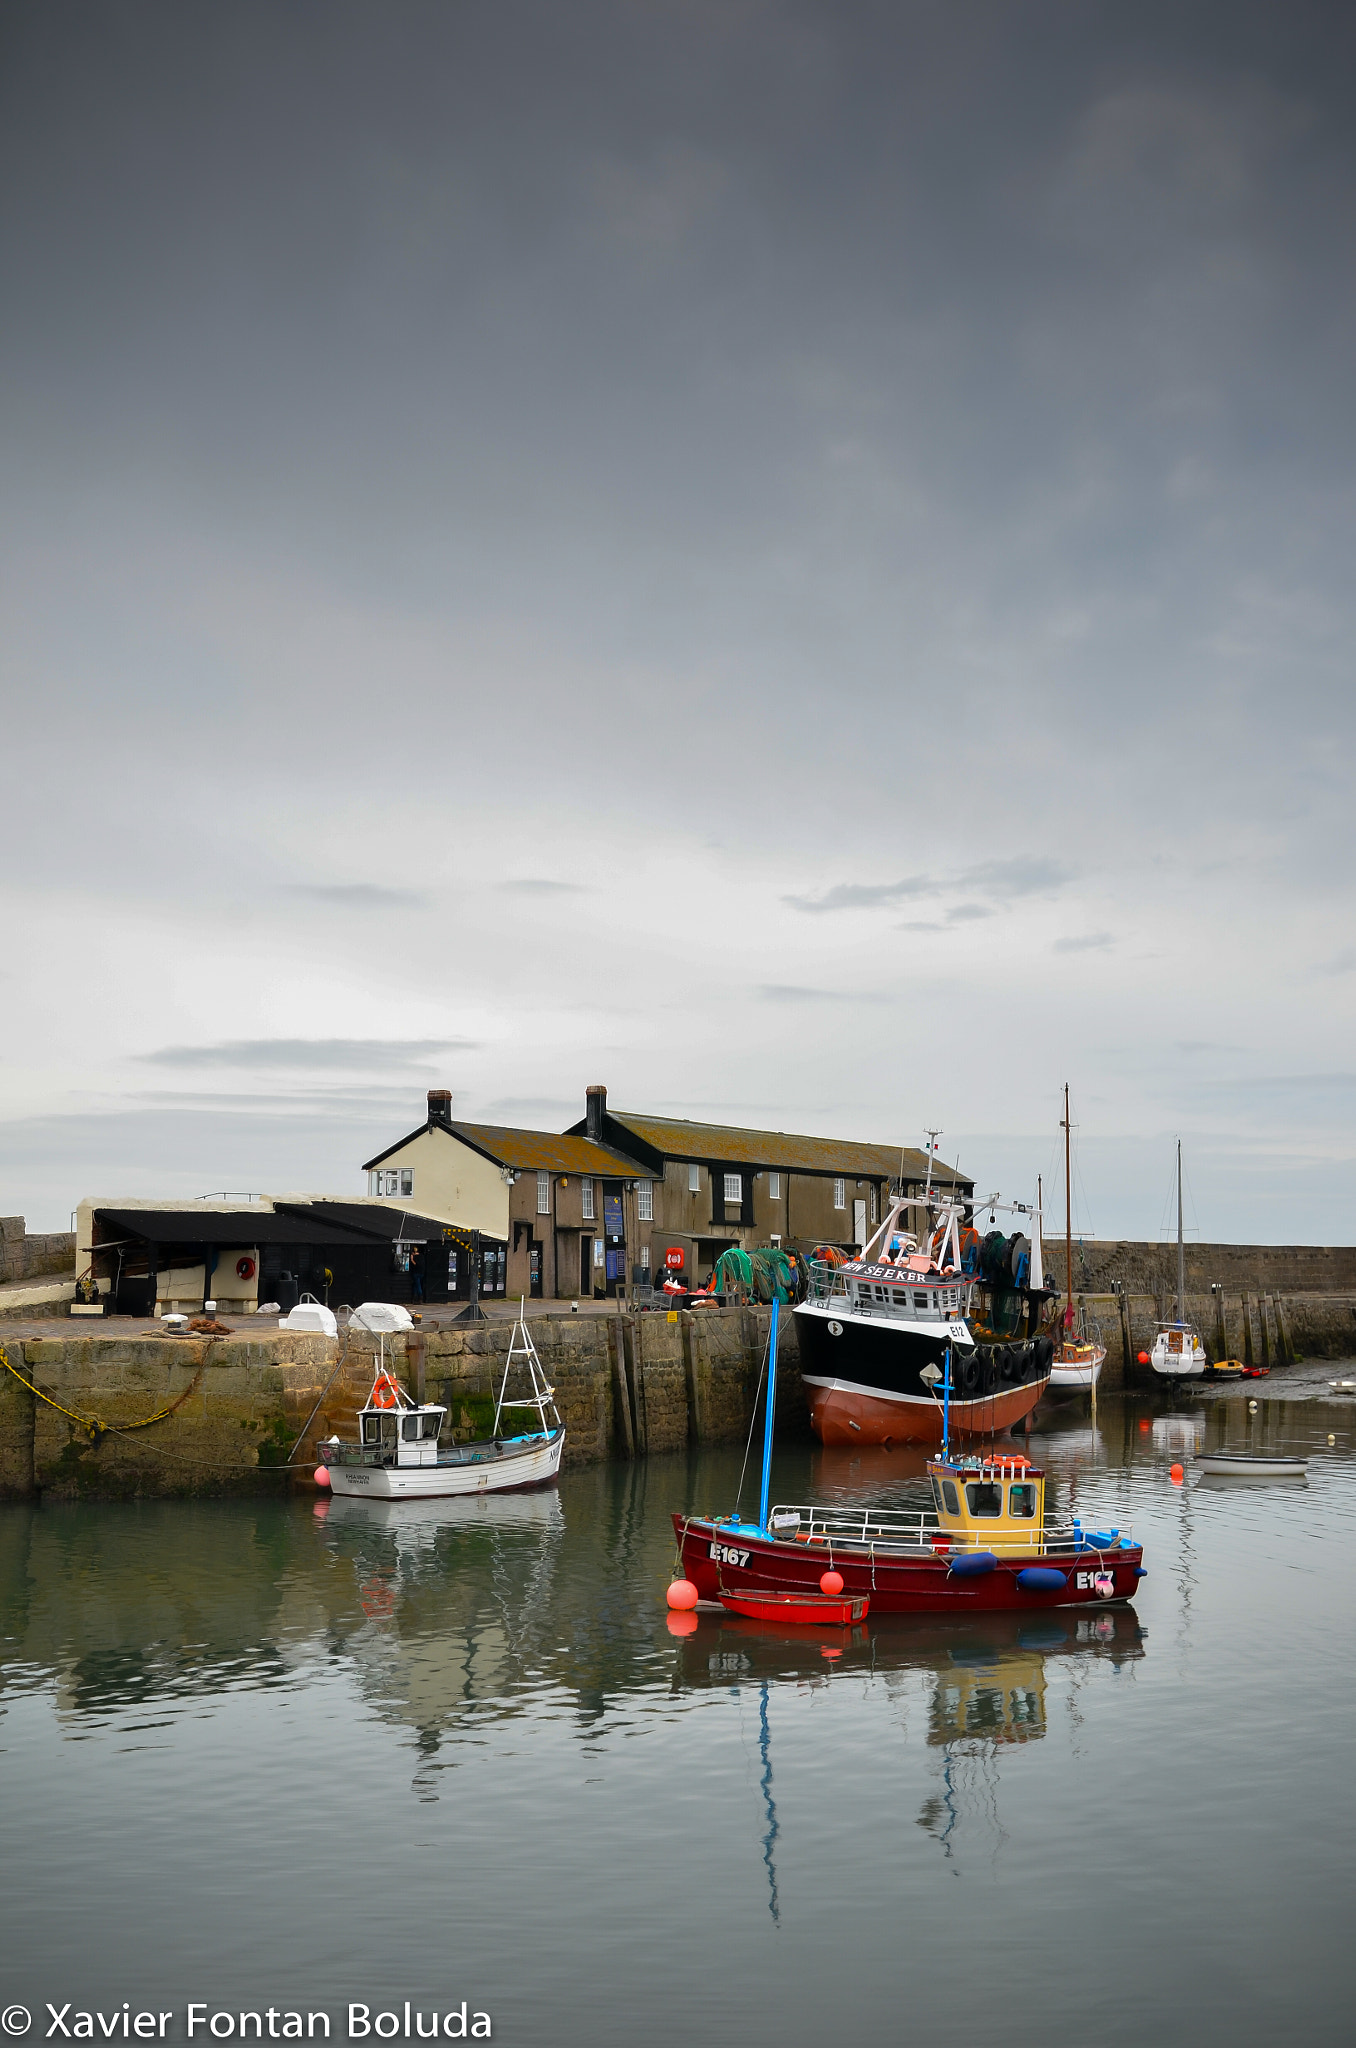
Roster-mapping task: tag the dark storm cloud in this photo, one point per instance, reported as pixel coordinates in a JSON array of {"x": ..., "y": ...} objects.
[{"x": 307, "y": 1052}]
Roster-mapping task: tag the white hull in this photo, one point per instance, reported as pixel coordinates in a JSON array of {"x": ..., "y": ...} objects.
[
  {"x": 1080, "y": 1372},
  {"x": 1178, "y": 1354},
  {"x": 1240, "y": 1465},
  {"x": 536, "y": 1465}
]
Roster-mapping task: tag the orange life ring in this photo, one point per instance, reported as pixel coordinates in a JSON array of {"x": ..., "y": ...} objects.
[
  {"x": 244, "y": 1269},
  {"x": 383, "y": 1392}
]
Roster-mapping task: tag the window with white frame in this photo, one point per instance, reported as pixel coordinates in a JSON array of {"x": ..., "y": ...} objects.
[
  {"x": 645, "y": 1201},
  {"x": 586, "y": 1196},
  {"x": 598, "y": 1250},
  {"x": 645, "y": 1258},
  {"x": 543, "y": 1194},
  {"x": 694, "y": 1180},
  {"x": 734, "y": 1187},
  {"x": 391, "y": 1180},
  {"x": 840, "y": 1194},
  {"x": 774, "y": 1187}
]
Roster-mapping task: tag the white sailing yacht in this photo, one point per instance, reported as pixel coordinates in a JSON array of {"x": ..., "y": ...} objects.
[
  {"x": 1079, "y": 1358},
  {"x": 1178, "y": 1352}
]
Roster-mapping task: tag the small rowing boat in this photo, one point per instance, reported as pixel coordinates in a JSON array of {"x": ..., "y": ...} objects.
[
  {"x": 806, "y": 1610},
  {"x": 1251, "y": 1464},
  {"x": 1343, "y": 1386}
]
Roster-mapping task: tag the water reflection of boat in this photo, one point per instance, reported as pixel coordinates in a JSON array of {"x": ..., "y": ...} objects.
[
  {"x": 425, "y": 1517},
  {"x": 1177, "y": 1433},
  {"x": 722, "y": 1649}
]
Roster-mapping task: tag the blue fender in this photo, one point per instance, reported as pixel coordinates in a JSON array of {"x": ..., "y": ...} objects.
[
  {"x": 1041, "y": 1578},
  {"x": 969, "y": 1564}
]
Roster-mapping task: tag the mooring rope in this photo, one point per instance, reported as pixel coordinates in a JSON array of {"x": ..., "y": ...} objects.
[{"x": 95, "y": 1430}]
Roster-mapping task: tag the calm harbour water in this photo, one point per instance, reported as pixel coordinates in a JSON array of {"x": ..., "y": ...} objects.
[{"x": 253, "y": 1755}]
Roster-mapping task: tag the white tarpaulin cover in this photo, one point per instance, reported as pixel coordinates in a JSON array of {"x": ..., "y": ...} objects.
[
  {"x": 310, "y": 1315},
  {"x": 380, "y": 1315}
]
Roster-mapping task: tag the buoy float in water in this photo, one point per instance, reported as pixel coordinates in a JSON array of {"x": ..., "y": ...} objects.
[
  {"x": 321, "y": 1508},
  {"x": 682, "y": 1596},
  {"x": 1252, "y": 1407},
  {"x": 831, "y": 1583},
  {"x": 1176, "y": 1474},
  {"x": 681, "y": 1624},
  {"x": 1144, "y": 1425},
  {"x": 322, "y": 1477},
  {"x": 1143, "y": 1357}
]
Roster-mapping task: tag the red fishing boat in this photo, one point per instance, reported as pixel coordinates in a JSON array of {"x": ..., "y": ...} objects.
[{"x": 985, "y": 1547}]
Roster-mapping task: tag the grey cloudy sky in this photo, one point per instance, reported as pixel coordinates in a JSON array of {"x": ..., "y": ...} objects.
[{"x": 792, "y": 559}]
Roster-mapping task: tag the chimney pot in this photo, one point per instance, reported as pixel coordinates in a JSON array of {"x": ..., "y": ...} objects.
[
  {"x": 595, "y": 1109},
  {"x": 440, "y": 1105}
]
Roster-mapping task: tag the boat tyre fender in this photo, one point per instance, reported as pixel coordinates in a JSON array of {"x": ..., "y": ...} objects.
[
  {"x": 1011, "y": 1367},
  {"x": 971, "y": 1564},
  {"x": 1041, "y": 1578},
  {"x": 1045, "y": 1353},
  {"x": 970, "y": 1375}
]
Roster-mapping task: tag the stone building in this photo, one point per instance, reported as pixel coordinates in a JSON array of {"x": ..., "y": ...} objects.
[{"x": 606, "y": 1203}]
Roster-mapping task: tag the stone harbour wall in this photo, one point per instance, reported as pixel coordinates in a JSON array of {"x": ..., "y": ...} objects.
[
  {"x": 36, "y": 1257},
  {"x": 231, "y": 1409}
]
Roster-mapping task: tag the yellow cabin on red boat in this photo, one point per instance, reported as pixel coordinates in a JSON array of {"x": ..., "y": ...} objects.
[{"x": 990, "y": 1503}]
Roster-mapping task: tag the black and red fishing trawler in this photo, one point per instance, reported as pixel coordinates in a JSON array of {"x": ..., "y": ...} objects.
[
  {"x": 985, "y": 1547},
  {"x": 876, "y": 1331}
]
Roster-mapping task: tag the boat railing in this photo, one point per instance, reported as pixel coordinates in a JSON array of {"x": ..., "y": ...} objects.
[
  {"x": 922, "y": 1531},
  {"x": 909, "y": 1295}
]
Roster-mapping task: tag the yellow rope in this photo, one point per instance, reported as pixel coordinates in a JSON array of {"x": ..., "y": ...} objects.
[{"x": 90, "y": 1424}]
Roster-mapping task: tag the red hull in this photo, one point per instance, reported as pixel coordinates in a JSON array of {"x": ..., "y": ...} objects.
[
  {"x": 750, "y": 1564},
  {"x": 842, "y": 1415}
]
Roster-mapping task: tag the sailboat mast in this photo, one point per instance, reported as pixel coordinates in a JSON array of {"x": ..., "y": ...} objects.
[
  {"x": 1181, "y": 1255},
  {"x": 1068, "y": 1218}
]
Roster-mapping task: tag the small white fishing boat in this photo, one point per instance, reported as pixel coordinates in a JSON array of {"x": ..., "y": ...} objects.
[
  {"x": 1343, "y": 1386},
  {"x": 398, "y": 1456},
  {"x": 1251, "y": 1464}
]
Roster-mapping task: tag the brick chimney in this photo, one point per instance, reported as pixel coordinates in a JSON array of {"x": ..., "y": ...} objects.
[
  {"x": 595, "y": 1109},
  {"x": 440, "y": 1105}
]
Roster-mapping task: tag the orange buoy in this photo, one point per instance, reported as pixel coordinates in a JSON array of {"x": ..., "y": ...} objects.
[
  {"x": 1143, "y": 1357},
  {"x": 1176, "y": 1474},
  {"x": 831, "y": 1583},
  {"x": 322, "y": 1477},
  {"x": 1144, "y": 1425},
  {"x": 682, "y": 1596},
  {"x": 681, "y": 1624}
]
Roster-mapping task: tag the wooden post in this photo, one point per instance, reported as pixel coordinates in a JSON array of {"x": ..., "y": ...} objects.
[
  {"x": 634, "y": 1353},
  {"x": 1129, "y": 1370},
  {"x": 687, "y": 1324},
  {"x": 618, "y": 1357},
  {"x": 1285, "y": 1344},
  {"x": 1221, "y": 1329}
]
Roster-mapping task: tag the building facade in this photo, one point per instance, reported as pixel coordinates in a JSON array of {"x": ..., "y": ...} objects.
[{"x": 611, "y": 1201}]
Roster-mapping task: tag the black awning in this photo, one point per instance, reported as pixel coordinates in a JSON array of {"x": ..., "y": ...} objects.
[
  {"x": 387, "y": 1222},
  {"x": 221, "y": 1227}
]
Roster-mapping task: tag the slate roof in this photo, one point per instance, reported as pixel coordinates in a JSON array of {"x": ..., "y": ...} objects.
[
  {"x": 787, "y": 1151},
  {"x": 528, "y": 1151}
]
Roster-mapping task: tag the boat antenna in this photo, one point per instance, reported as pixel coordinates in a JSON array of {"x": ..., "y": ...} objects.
[{"x": 932, "y": 1137}]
